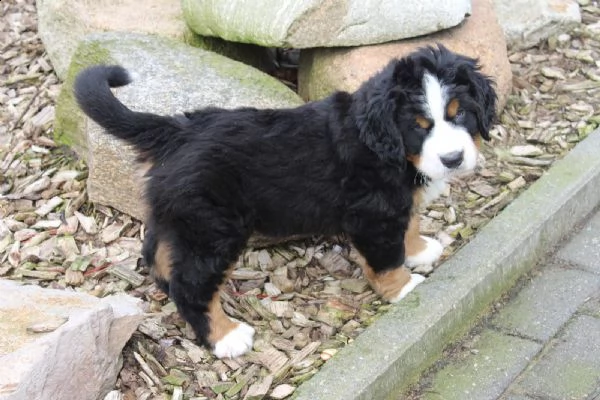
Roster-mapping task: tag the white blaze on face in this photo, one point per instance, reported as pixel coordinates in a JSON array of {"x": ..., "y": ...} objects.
[{"x": 445, "y": 140}]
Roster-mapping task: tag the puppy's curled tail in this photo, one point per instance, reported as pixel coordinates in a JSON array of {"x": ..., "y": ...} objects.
[{"x": 92, "y": 90}]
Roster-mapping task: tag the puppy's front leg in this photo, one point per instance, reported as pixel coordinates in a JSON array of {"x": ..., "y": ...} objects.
[
  {"x": 391, "y": 284},
  {"x": 382, "y": 261},
  {"x": 420, "y": 250}
]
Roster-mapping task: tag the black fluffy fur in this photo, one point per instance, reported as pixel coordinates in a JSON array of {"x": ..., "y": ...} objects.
[{"x": 333, "y": 166}]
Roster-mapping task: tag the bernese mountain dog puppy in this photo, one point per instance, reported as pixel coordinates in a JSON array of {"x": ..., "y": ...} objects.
[{"x": 354, "y": 163}]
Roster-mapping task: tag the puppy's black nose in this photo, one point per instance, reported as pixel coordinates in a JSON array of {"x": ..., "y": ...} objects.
[{"x": 453, "y": 159}]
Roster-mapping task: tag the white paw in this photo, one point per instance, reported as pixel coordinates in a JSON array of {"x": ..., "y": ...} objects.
[
  {"x": 428, "y": 256},
  {"x": 415, "y": 279},
  {"x": 236, "y": 342}
]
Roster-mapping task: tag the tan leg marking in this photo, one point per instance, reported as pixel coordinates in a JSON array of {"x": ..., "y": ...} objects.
[
  {"x": 220, "y": 323},
  {"x": 477, "y": 140},
  {"x": 162, "y": 262},
  {"x": 413, "y": 242},
  {"x": 452, "y": 108},
  {"x": 387, "y": 284}
]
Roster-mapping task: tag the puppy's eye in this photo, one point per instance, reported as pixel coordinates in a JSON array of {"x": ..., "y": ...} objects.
[
  {"x": 454, "y": 110},
  {"x": 460, "y": 114},
  {"x": 423, "y": 122}
]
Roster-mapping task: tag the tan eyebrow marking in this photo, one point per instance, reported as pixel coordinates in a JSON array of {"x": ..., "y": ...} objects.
[
  {"x": 423, "y": 122},
  {"x": 452, "y": 108}
]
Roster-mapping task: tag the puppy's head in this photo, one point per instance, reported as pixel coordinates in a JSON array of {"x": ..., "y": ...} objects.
[{"x": 431, "y": 108}]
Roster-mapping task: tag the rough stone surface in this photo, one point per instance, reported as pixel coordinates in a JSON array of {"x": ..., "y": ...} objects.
[
  {"x": 63, "y": 23},
  {"x": 547, "y": 303},
  {"x": 323, "y": 71},
  {"x": 76, "y": 353},
  {"x": 591, "y": 307},
  {"x": 535, "y": 20},
  {"x": 588, "y": 239},
  {"x": 170, "y": 77},
  {"x": 495, "y": 360},
  {"x": 314, "y": 23},
  {"x": 393, "y": 350},
  {"x": 570, "y": 369}
]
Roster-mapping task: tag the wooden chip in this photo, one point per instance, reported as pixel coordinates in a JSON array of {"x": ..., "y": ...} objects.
[
  {"x": 114, "y": 231},
  {"x": 264, "y": 260},
  {"x": 483, "y": 189},
  {"x": 206, "y": 378},
  {"x": 177, "y": 393},
  {"x": 517, "y": 184},
  {"x": 283, "y": 344},
  {"x": 47, "y": 224},
  {"x": 534, "y": 162},
  {"x": 300, "y": 319},
  {"x": 450, "y": 215},
  {"x": 258, "y": 390},
  {"x": 64, "y": 176},
  {"x": 114, "y": 395},
  {"x": 126, "y": 273},
  {"x": 336, "y": 265},
  {"x": 37, "y": 186},
  {"x": 271, "y": 290},
  {"x": 328, "y": 353},
  {"x": 279, "y": 308},
  {"x": 43, "y": 275},
  {"x": 526, "y": 151},
  {"x": 151, "y": 360},
  {"x": 282, "y": 391},
  {"x": 73, "y": 278},
  {"x": 24, "y": 234},
  {"x": 153, "y": 328},
  {"x": 495, "y": 201},
  {"x": 49, "y": 206},
  {"x": 247, "y": 274},
  {"x": 72, "y": 223},
  {"x": 87, "y": 223},
  {"x": 196, "y": 353},
  {"x": 273, "y": 359},
  {"x": 147, "y": 370},
  {"x": 354, "y": 285}
]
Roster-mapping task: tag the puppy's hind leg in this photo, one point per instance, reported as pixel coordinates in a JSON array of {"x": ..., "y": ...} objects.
[
  {"x": 157, "y": 256},
  {"x": 196, "y": 279}
]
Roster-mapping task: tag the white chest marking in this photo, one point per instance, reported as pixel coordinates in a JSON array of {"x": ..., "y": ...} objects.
[{"x": 432, "y": 191}]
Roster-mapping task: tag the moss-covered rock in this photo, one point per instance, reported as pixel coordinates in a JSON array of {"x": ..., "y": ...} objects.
[
  {"x": 171, "y": 77},
  {"x": 63, "y": 23},
  {"x": 311, "y": 23}
]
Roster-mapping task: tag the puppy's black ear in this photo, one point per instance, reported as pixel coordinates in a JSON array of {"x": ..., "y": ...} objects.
[
  {"x": 377, "y": 120},
  {"x": 481, "y": 89}
]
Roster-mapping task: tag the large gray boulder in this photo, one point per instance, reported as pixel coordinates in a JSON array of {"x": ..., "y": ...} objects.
[
  {"x": 170, "y": 78},
  {"x": 321, "y": 23},
  {"x": 528, "y": 22},
  {"x": 59, "y": 344}
]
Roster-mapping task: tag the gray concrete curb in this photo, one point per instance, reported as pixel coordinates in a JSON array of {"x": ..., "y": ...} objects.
[{"x": 391, "y": 353}]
